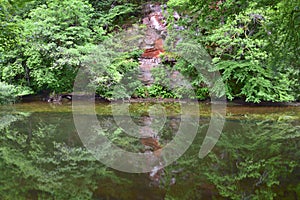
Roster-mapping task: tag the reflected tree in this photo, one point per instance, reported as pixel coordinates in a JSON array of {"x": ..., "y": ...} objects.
[
  {"x": 45, "y": 167},
  {"x": 252, "y": 160}
]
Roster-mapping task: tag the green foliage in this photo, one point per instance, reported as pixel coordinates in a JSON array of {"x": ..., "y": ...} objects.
[
  {"x": 59, "y": 36},
  {"x": 253, "y": 43},
  {"x": 159, "y": 91},
  {"x": 52, "y": 42},
  {"x": 9, "y": 29},
  {"x": 245, "y": 79},
  {"x": 113, "y": 73},
  {"x": 140, "y": 92},
  {"x": 241, "y": 55},
  {"x": 8, "y": 93},
  {"x": 53, "y": 38},
  {"x": 112, "y": 15},
  {"x": 170, "y": 83},
  {"x": 284, "y": 42}
]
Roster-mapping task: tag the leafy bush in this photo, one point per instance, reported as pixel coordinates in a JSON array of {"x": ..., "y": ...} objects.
[
  {"x": 8, "y": 93},
  {"x": 160, "y": 91},
  {"x": 113, "y": 69}
]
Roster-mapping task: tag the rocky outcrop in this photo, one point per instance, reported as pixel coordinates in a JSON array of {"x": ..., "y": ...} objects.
[{"x": 153, "y": 42}]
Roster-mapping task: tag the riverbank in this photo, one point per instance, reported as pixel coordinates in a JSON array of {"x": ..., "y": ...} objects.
[
  {"x": 68, "y": 97},
  {"x": 172, "y": 108}
]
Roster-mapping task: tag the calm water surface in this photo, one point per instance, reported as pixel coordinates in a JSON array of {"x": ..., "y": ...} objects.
[{"x": 256, "y": 157}]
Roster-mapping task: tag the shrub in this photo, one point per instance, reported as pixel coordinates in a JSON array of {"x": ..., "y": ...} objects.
[{"x": 8, "y": 93}]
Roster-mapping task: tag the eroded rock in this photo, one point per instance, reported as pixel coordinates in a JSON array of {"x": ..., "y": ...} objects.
[{"x": 153, "y": 42}]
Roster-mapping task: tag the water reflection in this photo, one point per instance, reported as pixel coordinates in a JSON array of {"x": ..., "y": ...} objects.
[{"x": 42, "y": 157}]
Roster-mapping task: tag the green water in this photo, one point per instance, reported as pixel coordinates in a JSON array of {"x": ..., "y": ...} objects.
[{"x": 256, "y": 157}]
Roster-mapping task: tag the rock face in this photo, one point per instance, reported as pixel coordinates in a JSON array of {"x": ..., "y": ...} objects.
[
  {"x": 153, "y": 42},
  {"x": 153, "y": 45}
]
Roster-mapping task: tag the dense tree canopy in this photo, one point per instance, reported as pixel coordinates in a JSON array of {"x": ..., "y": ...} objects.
[{"x": 254, "y": 44}]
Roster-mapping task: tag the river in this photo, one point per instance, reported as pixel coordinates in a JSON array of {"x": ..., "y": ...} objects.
[{"x": 42, "y": 156}]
